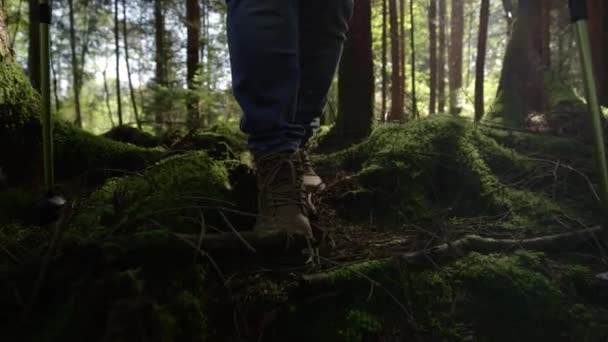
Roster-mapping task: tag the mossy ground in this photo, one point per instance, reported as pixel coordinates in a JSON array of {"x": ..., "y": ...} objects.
[{"x": 123, "y": 273}]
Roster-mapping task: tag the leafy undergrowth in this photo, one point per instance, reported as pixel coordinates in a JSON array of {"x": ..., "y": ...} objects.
[{"x": 124, "y": 272}]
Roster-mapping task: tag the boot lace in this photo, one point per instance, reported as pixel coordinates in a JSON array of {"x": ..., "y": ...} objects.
[{"x": 281, "y": 186}]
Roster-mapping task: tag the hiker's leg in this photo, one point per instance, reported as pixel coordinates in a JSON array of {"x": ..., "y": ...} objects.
[
  {"x": 263, "y": 42},
  {"x": 323, "y": 27}
]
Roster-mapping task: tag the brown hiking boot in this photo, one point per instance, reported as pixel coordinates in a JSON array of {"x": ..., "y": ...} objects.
[
  {"x": 312, "y": 182},
  {"x": 282, "y": 204}
]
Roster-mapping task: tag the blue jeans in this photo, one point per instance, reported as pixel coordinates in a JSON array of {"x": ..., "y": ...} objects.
[{"x": 284, "y": 55}]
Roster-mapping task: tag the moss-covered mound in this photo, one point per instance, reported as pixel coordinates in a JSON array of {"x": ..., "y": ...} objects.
[
  {"x": 122, "y": 272},
  {"x": 519, "y": 297},
  {"x": 77, "y": 152},
  {"x": 176, "y": 193},
  {"x": 132, "y": 135},
  {"x": 441, "y": 168}
]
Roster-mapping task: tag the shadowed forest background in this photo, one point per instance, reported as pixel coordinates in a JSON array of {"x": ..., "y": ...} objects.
[{"x": 462, "y": 200}]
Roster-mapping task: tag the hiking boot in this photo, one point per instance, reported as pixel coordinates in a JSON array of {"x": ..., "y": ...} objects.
[
  {"x": 311, "y": 180},
  {"x": 282, "y": 204}
]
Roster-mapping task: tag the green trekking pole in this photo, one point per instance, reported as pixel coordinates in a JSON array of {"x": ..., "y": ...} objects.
[
  {"x": 579, "y": 14},
  {"x": 49, "y": 208}
]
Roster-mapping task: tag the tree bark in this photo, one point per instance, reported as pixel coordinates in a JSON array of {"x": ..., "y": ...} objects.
[
  {"x": 75, "y": 67},
  {"x": 456, "y": 40},
  {"x": 125, "y": 35},
  {"x": 484, "y": 15},
  {"x": 193, "y": 24},
  {"x": 598, "y": 27},
  {"x": 356, "y": 78},
  {"x": 413, "y": 71},
  {"x": 5, "y": 50},
  {"x": 33, "y": 51},
  {"x": 433, "y": 56},
  {"x": 384, "y": 58},
  {"x": 396, "y": 113},
  {"x": 441, "y": 60},
  {"x": 117, "y": 53},
  {"x": 159, "y": 38},
  {"x": 521, "y": 88},
  {"x": 106, "y": 91},
  {"x": 402, "y": 59}
]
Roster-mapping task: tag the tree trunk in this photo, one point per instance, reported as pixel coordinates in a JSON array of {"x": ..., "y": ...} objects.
[
  {"x": 356, "y": 78},
  {"x": 75, "y": 67},
  {"x": 441, "y": 60},
  {"x": 128, "y": 64},
  {"x": 433, "y": 56},
  {"x": 456, "y": 39},
  {"x": 481, "y": 58},
  {"x": 117, "y": 53},
  {"x": 106, "y": 90},
  {"x": 384, "y": 57},
  {"x": 598, "y": 27},
  {"x": 521, "y": 88},
  {"x": 402, "y": 59},
  {"x": 413, "y": 71},
  {"x": 159, "y": 38},
  {"x": 33, "y": 51},
  {"x": 4, "y": 40},
  {"x": 396, "y": 113},
  {"x": 193, "y": 23}
]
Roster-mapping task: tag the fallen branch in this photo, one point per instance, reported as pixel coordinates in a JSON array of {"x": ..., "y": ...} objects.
[
  {"x": 575, "y": 241},
  {"x": 248, "y": 242}
]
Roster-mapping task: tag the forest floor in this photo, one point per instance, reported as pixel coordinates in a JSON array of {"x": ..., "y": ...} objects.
[{"x": 436, "y": 230}]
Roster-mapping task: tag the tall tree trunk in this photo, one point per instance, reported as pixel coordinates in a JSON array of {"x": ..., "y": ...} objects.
[
  {"x": 125, "y": 36},
  {"x": 598, "y": 27},
  {"x": 456, "y": 39},
  {"x": 4, "y": 39},
  {"x": 384, "y": 58},
  {"x": 521, "y": 88},
  {"x": 55, "y": 73},
  {"x": 106, "y": 91},
  {"x": 484, "y": 15},
  {"x": 413, "y": 71},
  {"x": 396, "y": 113},
  {"x": 193, "y": 23},
  {"x": 75, "y": 67},
  {"x": 117, "y": 53},
  {"x": 509, "y": 13},
  {"x": 441, "y": 60},
  {"x": 159, "y": 38},
  {"x": 33, "y": 51},
  {"x": 433, "y": 56},
  {"x": 356, "y": 77},
  {"x": 402, "y": 58}
]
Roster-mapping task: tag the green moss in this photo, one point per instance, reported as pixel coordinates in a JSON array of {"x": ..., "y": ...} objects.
[
  {"x": 19, "y": 103},
  {"x": 412, "y": 173},
  {"x": 132, "y": 135},
  {"x": 173, "y": 193},
  {"x": 519, "y": 297}
]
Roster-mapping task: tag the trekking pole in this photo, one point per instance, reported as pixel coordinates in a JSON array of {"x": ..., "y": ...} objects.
[
  {"x": 579, "y": 14},
  {"x": 48, "y": 210},
  {"x": 45, "y": 90}
]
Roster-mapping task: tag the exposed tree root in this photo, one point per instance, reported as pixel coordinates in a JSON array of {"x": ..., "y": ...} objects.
[{"x": 586, "y": 239}]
